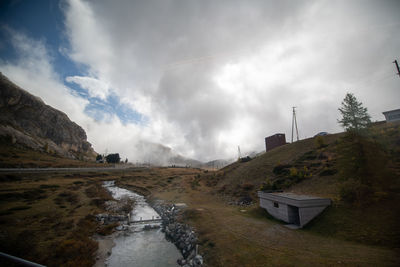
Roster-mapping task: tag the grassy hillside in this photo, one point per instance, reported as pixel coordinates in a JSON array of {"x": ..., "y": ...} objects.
[
  {"x": 311, "y": 167},
  {"x": 12, "y": 156},
  {"x": 239, "y": 179}
]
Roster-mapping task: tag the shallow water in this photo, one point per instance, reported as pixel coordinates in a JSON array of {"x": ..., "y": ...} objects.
[{"x": 136, "y": 247}]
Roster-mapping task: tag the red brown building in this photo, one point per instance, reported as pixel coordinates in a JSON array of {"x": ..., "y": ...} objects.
[{"x": 274, "y": 141}]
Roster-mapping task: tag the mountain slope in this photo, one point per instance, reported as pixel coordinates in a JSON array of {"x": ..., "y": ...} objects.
[{"x": 26, "y": 121}]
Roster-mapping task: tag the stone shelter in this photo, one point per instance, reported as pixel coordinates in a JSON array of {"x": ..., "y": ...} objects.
[{"x": 297, "y": 210}]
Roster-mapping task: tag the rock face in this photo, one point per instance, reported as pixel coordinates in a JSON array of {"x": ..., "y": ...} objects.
[{"x": 26, "y": 120}]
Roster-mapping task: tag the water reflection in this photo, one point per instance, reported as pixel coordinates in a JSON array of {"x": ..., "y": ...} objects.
[{"x": 140, "y": 248}]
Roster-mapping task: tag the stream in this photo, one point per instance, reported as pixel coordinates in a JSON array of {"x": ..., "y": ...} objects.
[{"x": 138, "y": 247}]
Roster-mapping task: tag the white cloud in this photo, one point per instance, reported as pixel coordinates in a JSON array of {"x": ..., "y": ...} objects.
[
  {"x": 215, "y": 75},
  {"x": 218, "y": 74},
  {"x": 95, "y": 87},
  {"x": 33, "y": 71}
]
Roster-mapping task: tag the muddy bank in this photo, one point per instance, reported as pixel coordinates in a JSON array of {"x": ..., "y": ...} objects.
[{"x": 106, "y": 243}]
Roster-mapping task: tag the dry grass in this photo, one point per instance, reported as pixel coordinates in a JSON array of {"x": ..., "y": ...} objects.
[
  {"x": 231, "y": 237},
  {"x": 41, "y": 212},
  {"x": 20, "y": 157},
  {"x": 46, "y": 218},
  {"x": 227, "y": 235},
  {"x": 237, "y": 236}
]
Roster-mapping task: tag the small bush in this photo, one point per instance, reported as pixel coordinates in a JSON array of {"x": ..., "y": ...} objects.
[
  {"x": 315, "y": 164},
  {"x": 245, "y": 159},
  {"x": 354, "y": 192},
  {"x": 192, "y": 214},
  {"x": 34, "y": 194},
  {"x": 247, "y": 187},
  {"x": 300, "y": 174},
  {"x": 293, "y": 172},
  {"x": 107, "y": 229},
  {"x": 319, "y": 142},
  {"x": 9, "y": 177},
  {"x": 69, "y": 196},
  {"x": 76, "y": 252},
  {"x": 194, "y": 183},
  {"x": 20, "y": 208},
  {"x": 281, "y": 169},
  {"x": 49, "y": 186},
  {"x": 268, "y": 185},
  {"x": 328, "y": 171},
  {"x": 310, "y": 155}
]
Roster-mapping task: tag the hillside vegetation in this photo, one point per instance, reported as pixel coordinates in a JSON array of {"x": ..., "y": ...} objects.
[
  {"x": 18, "y": 156},
  {"x": 364, "y": 212}
]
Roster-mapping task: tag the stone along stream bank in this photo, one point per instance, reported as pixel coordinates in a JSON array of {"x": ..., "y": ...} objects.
[{"x": 145, "y": 244}]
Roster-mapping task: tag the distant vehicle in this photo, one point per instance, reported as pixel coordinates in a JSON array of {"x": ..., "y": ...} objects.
[{"x": 321, "y": 134}]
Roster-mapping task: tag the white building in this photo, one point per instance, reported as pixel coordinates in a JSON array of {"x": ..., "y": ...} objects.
[
  {"x": 392, "y": 115},
  {"x": 297, "y": 210}
]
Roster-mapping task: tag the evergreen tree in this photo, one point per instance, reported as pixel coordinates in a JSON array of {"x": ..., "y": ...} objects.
[{"x": 354, "y": 116}]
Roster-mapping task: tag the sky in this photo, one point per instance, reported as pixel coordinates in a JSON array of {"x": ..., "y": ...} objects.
[{"x": 201, "y": 77}]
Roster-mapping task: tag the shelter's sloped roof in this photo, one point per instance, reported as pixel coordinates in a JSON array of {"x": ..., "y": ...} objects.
[
  {"x": 295, "y": 196},
  {"x": 390, "y": 111},
  {"x": 295, "y": 200}
]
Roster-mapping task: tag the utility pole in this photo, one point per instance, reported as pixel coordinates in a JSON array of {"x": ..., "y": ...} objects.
[
  {"x": 239, "y": 154},
  {"x": 294, "y": 124},
  {"x": 397, "y": 66}
]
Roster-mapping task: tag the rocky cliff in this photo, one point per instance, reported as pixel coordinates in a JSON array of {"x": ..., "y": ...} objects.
[{"x": 25, "y": 120}]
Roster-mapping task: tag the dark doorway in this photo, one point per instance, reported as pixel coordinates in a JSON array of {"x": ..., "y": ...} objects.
[{"x": 293, "y": 214}]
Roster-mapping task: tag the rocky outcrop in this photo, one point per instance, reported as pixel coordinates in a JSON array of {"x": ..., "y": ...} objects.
[
  {"x": 26, "y": 120},
  {"x": 182, "y": 235}
]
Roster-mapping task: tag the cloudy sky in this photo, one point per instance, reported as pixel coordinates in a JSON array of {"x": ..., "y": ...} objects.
[{"x": 202, "y": 77}]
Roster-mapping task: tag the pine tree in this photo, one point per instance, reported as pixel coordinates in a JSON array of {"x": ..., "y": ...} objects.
[{"x": 355, "y": 116}]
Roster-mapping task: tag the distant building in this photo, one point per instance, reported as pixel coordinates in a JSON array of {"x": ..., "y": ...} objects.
[
  {"x": 274, "y": 141},
  {"x": 297, "y": 210},
  {"x": 392, "y": 115}
]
